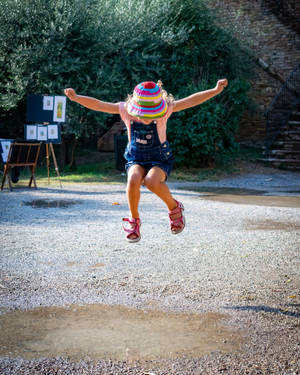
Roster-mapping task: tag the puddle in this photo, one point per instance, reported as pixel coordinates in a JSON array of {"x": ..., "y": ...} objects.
[
  {"x": 267, "y": 200},
  {"x": 226, "y": 190},
  {"x": 72, "y": 264},
  {"x": 245, "y": 196},
  {"x": 112, "y": 332},
  {"x": 48, "y": 203},
  {"x": 97, "y": 265},
  {"x": 272, "y": 225}
]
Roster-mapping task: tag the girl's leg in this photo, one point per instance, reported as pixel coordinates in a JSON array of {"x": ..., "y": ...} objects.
[
  {"x": 155, "y": 182},
  {"x": 136, "y": 174}
]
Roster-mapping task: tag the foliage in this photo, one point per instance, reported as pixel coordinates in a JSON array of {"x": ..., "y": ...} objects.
[
  {"x": 104, "y": 48},
  {"x": 46, "y": 46},
  {"x": 201, "y": 133}
]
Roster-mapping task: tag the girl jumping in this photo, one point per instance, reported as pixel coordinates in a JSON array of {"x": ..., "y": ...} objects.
[{"x": 148, "y": 154}]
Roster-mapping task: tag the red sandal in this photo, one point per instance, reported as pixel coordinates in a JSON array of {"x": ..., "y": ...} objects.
[
  {"x": 177, "y": 220},
  {"x": 133, "y": 229}
]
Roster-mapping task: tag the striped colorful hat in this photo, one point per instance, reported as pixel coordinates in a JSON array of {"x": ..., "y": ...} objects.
[{"x": 147, "y": 101}]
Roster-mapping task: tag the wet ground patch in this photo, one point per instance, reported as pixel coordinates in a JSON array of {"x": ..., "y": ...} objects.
[
  {"x": 268, "y": 201},
  {"x": 48, "y": 203},
  {"x": 226, "y": 190},
  {"x": 272, "y": 225},
  {"x": 113, "y": 332},
  {"x": 246, "y": 196}
]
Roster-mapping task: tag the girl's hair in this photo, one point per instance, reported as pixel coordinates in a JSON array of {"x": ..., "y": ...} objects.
[{"x": 167, "y": 97}]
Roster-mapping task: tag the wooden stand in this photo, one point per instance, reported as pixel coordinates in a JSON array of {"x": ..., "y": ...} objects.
[
  {"x": 54, "y": 161},
  {"x": 21, "y": 155}
]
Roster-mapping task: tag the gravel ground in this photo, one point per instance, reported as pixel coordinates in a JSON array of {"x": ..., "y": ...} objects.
[{"x": 240, "y": 260}]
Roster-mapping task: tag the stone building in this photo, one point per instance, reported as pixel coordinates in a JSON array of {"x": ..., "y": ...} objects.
[{"x": 274, "y": 37}]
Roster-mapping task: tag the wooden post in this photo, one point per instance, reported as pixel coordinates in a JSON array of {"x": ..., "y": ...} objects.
[
  {"x": 55, "y": 163},
  {"x": 48, "y": 162},
  {"x": 6, "y": 175}
]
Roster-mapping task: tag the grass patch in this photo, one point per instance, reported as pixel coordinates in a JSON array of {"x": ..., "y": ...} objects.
[
  {"x": 90, "y": 172},
  {"x": 104, "y": 171},
  {"x": 200, "y": 174},
  {"x": 94, "y": 172},
  {"x": 225, "y": 165}
]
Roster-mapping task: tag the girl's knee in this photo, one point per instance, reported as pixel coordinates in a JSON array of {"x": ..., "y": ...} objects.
[
  {"x": 134, "y": 180},
  {"x": 152, "y": 182}
]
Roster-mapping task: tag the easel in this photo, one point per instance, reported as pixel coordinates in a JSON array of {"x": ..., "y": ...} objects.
[
  {"x": 54, "y": 161},
  {"x": 47, "y": 145}
]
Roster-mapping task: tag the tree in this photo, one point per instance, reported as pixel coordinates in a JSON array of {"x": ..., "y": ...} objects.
[{"x": 104, "y": 48}]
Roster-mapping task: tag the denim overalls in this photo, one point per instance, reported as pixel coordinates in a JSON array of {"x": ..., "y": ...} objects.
[{"x": 146, "y": 149}]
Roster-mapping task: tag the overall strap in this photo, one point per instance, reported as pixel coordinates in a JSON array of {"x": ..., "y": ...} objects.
[{"x": 136, "y": 126}]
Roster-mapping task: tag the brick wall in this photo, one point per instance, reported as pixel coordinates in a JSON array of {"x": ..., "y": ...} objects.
[
  {"x": 276, "y": 47},
  {"x": 288, "y": 11}
]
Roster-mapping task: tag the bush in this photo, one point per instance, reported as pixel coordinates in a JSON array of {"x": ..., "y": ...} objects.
[
  {"x": 46, "y": 47},
  {"x": 104, "y": 48},
  {"x": 201, "y": 133}
]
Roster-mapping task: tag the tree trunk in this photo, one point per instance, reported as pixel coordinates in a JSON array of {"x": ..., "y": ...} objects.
[
  {"x": 64, "y": 152},
  {"x": 72, "y": 164}
]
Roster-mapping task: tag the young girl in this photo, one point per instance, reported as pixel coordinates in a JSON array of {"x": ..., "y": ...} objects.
[{"x": 148, "y": 154}]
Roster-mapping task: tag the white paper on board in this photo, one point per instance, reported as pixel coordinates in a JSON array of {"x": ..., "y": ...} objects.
[
  {"x": 59, "y": 113},
  {"x": 5, "y": 150},
  {"x": 52, "y": 131},
  {"x": 42, "y": 133},
  {"x": 48, "y": 103},
  {"x": 31, "y": 132}
]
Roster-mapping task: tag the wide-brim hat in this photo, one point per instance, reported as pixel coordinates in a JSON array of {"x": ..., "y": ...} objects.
[{"x": 147, "y": 101}]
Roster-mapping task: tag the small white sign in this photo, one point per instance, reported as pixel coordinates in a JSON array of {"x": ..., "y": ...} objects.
[
  {"x": 42, "y": 134},
  {"x": 5, "y": 150},
  {"x": 48, "y": 103},
  {"x": 31, "y": 132},
  {"x": 52, "y": 132},
  {"x": 59, "y": 113}
]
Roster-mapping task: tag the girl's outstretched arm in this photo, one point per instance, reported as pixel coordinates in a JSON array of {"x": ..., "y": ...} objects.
[
  {"x": 199, "y": 97},
  {"x": 92, "y": 103}
]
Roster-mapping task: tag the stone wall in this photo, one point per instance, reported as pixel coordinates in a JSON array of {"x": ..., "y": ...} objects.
[
  {"x": 277, "y": 50},
  {"x": 288, "y": 11}
]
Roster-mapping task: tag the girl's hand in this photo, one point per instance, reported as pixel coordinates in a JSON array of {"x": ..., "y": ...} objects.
[
  {"x": 70, "y": 93},
  {"x": 221, "y": 84}
]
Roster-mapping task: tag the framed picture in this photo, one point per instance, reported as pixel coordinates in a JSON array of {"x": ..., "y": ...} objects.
[
  {"x": 31, "y": 132},
  {"x": 42, "y": 133},
  {"x": 59, "y": 113},
  {"x": 48, "y": 103},
  {"x": 4, "y": 148},
  {"x": 54, "y": 133}
]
